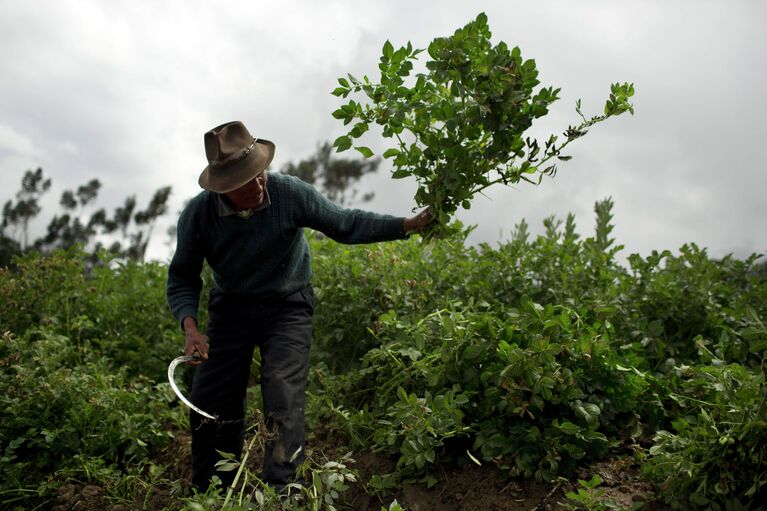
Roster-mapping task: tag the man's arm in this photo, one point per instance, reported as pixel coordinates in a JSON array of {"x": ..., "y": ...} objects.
[
  {"x": 351, "y": 225},
  {"x": 184, "y": 282}
]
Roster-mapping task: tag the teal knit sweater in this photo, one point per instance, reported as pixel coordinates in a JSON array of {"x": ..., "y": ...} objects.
[{"x": 266, "y": 255}]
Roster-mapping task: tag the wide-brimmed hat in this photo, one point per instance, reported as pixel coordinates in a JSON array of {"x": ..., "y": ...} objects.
[{"x": 234, "y": 157}]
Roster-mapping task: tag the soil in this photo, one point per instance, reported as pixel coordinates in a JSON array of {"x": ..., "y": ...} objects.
[
  {"x": 82, "y": 498},
  {"x": 469, "y": 488},
  {"x": 472, "y": 488}
]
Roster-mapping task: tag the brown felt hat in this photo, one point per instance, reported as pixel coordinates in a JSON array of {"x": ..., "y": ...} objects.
[{"x": 234, "y": 157}]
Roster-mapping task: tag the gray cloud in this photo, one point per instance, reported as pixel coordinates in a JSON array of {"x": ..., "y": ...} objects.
[{"x": 124, "y": 92}]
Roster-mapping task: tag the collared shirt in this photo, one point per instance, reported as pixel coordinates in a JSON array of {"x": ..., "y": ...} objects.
[{"x": 224, "y": 209}]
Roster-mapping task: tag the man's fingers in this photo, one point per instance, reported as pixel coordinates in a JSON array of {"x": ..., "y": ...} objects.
[
  {"x": 200, "y": 354},
  {"x": 197, "y": 359},
  {"x": 202, "y": 347},
  {"x": 197, "y": 346},
  {"x": 426, "y": 216}
]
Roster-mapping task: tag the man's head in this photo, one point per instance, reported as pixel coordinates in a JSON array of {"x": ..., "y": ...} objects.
[
  {"x": 251, "y": 195},
  {"x": 234, "y": 157}
]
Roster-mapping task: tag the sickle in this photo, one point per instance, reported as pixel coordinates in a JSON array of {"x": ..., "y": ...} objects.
[{"x": 171, "y": 370}]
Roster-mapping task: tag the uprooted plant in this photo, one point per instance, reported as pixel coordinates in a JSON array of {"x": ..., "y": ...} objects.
[{"x": 460, "y": 127}]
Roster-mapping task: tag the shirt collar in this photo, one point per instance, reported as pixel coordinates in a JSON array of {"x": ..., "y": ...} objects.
[{"x": 224, "y": 209}]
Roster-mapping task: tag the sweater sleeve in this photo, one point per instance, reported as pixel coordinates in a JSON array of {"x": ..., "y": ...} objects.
[
  {"x": 344, "y": 225},
  {"x": 184, "y": 282}
]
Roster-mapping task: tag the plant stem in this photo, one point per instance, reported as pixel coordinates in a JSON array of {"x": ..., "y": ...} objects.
[{"x": 239, "y": 472}]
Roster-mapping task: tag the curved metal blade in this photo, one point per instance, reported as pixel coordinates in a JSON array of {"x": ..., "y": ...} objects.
[{"x": 171, "y": 370}]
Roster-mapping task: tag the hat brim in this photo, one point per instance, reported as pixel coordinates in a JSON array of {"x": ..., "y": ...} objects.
[{"x": 223, "y": 180}]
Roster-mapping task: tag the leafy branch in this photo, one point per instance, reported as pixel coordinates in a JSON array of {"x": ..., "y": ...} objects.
[{"x": 459, "y": 128}]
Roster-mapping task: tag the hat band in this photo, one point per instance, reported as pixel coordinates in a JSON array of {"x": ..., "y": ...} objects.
[{"x": 233, "y": 160}]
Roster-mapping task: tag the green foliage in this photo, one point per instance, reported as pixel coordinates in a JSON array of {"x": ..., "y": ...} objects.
[
  {"x": 415, "y": 428},
  {"x": 117, "y": 308},
  {"x": 62, "y": 405},
  {"x": 536, "y": 387},
  {"x": 549, "y": 352},
  {"x": 673, "y": 299},
  {"x": 325, "y": 484},
  {"x": 536, "y": 356},
  {"x": 353, "y": 282},
  {"x": 460, "y": 127},
  {"x": 715, "y": 456},
  {"x": 393, "y": 506},
  {"x": 84, "y": 346},
  {"x": 589, "y": 497}
]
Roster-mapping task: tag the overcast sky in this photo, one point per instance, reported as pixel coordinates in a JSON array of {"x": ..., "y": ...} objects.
[{"x": 124, "y": 90}]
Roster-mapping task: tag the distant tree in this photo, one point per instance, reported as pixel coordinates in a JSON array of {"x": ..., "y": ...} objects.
[
  {"x": 335, "y": 177},
  {"x": 73, "y": 225},
  {"x": 70, "y": 228},
  {"x": 761, "y": 269},
  {"x": 8, "y": 248},
  {"x": 27, "y": 206},
  {"x": 143, "y": 223}
]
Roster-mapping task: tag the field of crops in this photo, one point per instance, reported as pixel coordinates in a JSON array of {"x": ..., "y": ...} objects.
[{"x": 527, "y": 364}]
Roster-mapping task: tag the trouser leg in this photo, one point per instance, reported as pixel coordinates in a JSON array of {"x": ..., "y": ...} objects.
[
  {"x": 283, "y": 331},
  {"x": 219, "y": 388},
  {"x": 284, "y": 368}
]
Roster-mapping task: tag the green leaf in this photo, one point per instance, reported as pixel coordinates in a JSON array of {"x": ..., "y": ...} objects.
[
  {"x": 387, "y": 49},
  {"x": 569, "y": 428},
  {"x": 226, "y": 466},
  {"x": 364, "y": 151},
  {"x": 587, "y": 411},
  {"x": 389, "y": 153},
  {"x": 339, "y": 91},
  {"x": 17, "y": 442},
  {"x": 358, "y": 129},
  {"x": 472, "y": 352},
  {"x": 400, "y": 173},
  {"x": 342, "y": 143}
]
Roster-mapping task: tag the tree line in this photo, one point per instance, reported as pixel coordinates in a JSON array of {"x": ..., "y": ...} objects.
[{"x": 127, "y": 229}]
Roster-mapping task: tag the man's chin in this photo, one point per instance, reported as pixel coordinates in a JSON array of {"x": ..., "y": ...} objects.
[{"x": 256, "y": 203}]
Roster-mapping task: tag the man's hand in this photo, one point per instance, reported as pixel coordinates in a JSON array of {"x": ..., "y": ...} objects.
[
  {"x": 194, "y": 341},
  {"x": 419, "y": 222}
]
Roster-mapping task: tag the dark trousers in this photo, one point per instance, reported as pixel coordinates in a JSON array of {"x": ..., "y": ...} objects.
[{"x": 282, "y": 330}]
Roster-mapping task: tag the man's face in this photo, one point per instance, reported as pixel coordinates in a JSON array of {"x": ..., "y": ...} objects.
[{"x": 250, "y": 195}]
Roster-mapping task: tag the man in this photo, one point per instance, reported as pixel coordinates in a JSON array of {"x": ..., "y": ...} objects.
[{"x": 248, "y": 225}]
